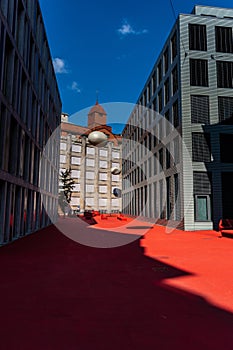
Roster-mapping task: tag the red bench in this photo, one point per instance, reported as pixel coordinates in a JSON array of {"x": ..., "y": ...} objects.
[{"x": 226, "y": 226}]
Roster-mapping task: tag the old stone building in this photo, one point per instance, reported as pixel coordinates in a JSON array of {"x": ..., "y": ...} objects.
[{"x": 91, "y": 165}]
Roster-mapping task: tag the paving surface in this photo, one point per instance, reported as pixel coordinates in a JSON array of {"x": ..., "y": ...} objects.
[{"x": 159, "y": 291}]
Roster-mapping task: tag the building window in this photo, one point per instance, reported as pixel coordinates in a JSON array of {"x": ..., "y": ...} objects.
[
  {"x": 225, "y": 74},
  {"x": 103, "y": 189},
  {"x": 176, "y": 150},
  {"x": 63, "y": 146},
  {"x": 160, "y": 98},
  {"x": 62, "y": 159},
  {"x": 202, "y": 193},
  {"x": 89, "y": 162},
  {"x": 116, "y": 178},
  {"x": 103, "y": 176},
  {"x": 161, "y": 159},
  {"x": 223, "y": 39},
  {"x": 103, "y": 153},
  {"x": 200, "y": 109},
  {"x": 165, "y": 60},
  {"x": 201, "y": 147},
  {"x": 153, "y": 83},
  {"x": 90, "y": 175},
  {"x": 103, "y": 164},
  {"x": 168, "y": 197},
  {"x": 226, "y": 144},
  {"x": 76, "y": 148},
  {"x": 168, "y": 157},
  {"x": 76, "y": 160},
  {"x": 76, "y": 188},
  {"x": 90, "y": 188},
  {"x": 102, "y": 202},
  {"x": 75, "y": 174},
  {"x": 160, "y": 75},
  {"x": 174, "y": 46},
  {"x": 198, "y": 72},
  {"x": 167, "y": 122},
  {"x": 91, "y": 150},
  {"x": 197, "y": 37},
  {"x": 174, "y": 80},
  {"x": 202, "y": 208},
  {"x": 225, "y": 108},
  {"x": 89, "y": 201},
  {"x": 115, "y": 155},
  {"x": 167, "y": 94},
  {"x": 175, "y": 114}
]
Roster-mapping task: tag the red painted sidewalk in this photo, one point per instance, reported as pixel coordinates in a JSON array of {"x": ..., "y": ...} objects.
[{"x": 58, "y": 294}]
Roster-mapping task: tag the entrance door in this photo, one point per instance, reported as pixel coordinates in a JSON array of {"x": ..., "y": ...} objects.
[{"x": 227, "y": 195}]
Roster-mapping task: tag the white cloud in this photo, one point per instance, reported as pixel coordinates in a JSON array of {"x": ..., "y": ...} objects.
[
  {"x": 59, "y": 66},
  {"x": 74, "y": 87},
  {"x": 127, "y": 29}
]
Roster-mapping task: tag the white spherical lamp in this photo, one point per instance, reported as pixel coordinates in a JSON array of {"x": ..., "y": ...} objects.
[
  {"x": 97, "y": 138},
  {"x": 115, "y": 171}
]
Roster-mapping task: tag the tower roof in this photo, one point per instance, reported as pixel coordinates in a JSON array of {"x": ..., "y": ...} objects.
[{"x": 97, "y": 108}]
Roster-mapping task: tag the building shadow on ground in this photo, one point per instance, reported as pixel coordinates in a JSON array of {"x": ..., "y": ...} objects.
[{"x": 59, "y": 294}]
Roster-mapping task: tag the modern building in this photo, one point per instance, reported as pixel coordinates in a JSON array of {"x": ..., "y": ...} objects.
[
  {"x": 91, "y": 165},
  {"x": 183, "y": 120},
  {"x": 30, "y": 109}
]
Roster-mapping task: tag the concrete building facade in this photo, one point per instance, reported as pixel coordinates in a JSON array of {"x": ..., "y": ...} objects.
[
  {"x": 30, "y": 108},
  {"x": 183, "y": 119},
  {"x": 91, "y": 165}
]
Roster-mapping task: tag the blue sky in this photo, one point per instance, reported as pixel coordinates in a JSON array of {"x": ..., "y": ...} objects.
[{"x": 109, "y": 46}]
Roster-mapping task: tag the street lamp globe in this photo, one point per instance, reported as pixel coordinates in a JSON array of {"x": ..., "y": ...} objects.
[
  {"x": 115, "y": 171},
  {"x": 97, "y": 138}
]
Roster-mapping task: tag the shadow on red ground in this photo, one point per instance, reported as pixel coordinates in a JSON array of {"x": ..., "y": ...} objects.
[{"x": 58, "y": 294}]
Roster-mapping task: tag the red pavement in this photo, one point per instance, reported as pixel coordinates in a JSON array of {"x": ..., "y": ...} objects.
[{"x": 164, "y": 291}]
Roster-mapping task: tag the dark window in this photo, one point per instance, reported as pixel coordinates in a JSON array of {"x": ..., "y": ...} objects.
[
  {"x": 174, "y": 80},
  {"x": 200, "y": 109},
  {"x": 226, "y": 146},
  {"x": 167, "y": 123},
  {"x": 175, "y": 113},
  {"x": 225, "y": 108},
  {"x": 198, "y": 72},
  {"x": 176, "y": 150},
  {"x": 225, "y": 74},
  {"x": 201, "y": 182},
  {"x": 160, "y": 75},
  {"x": 223, "y": 39},
  {"x": 174, "y": 46},
  {"x": 201, "y": 147},
  {"x": 160, "y": 101},
  {"x": 165, "y": 60},
  {"x": 161, "y": 159},
  {"x": 197, "y": 37},
  {"x": 161, "y": 198},
  {"x": 168, "y": 157},
  {"x": 177, "y": 206},
  {"x": 154, "y": 82},
  {"x": 167, "y": 94}
]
